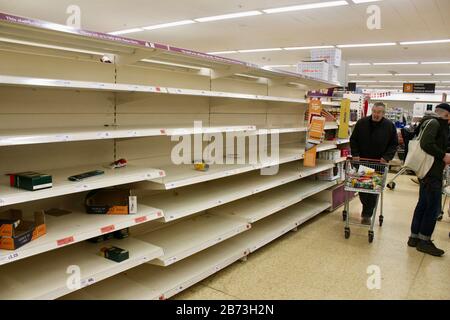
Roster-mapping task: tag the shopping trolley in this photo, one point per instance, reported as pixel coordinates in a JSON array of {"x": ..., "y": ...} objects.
[
  {"x": 445, "y": 192},
  {"x": 364, "y": 176}
]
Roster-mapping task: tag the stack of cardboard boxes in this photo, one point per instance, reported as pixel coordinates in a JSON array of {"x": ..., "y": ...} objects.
[{"x": 324, "y": 64}]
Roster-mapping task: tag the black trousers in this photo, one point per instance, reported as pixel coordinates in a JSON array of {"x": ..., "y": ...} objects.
[{"x": 369, "y": 201}]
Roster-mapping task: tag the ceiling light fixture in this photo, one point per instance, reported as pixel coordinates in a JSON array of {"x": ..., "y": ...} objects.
[
  {"x": 365, "y": 45},
  {"x": 393, "y": 63},
  {"x": 364, "y": 1},
  {"x": 413, "y": 74},
  {"x": 408, "y": 43},
  {"x": 259, "y": 50},
  {"x": 307, "y": 6},
  {"x": 308, "y": 48},
  {"x": 360, "y": 64},
  {"x": 170, "y": 24},
  {"x": 375, "y": 74},
  {"x": 230, "y": 16},
  {"x": 442, "y": 74},
  {"x": 436, "y": 62},
  {"x": 126, "y": 31},
  {"x": 223, "y": 52}
]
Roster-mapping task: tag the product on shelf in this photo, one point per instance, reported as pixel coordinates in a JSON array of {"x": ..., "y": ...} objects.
[
  {"x": 15, "y": 231},
  {"x": 30, "y": 180},
  {"x": 201, "y": 166},
  {"x": 112, "y": 201},
  {"x": 119, "y": 234},
  {"x": 114, "y": 253},
  {"x": 121, "y": 163},
  {"x": 82, "y": 176}
]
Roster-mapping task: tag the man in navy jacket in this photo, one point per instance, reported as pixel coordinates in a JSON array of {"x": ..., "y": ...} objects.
[{"x": 374, "y": 137}]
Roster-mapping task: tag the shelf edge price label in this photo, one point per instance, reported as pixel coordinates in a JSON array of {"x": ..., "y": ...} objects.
[
  {"x": 140, "y": 219},
  {"x": 107, "y": 229},
  {"x": 65, "y": 241},
  {"x": 13, "y": 256}
]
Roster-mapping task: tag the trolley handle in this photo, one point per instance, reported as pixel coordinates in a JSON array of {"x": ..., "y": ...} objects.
[{"x": 366, "y": 159}]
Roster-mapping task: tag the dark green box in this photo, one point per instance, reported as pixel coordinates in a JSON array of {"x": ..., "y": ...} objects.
[
  {"x": 31, "y": 181},
  {"x": 115, "y": 254}
]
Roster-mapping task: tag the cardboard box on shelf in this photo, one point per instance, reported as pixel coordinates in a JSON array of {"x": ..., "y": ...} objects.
[
  {"x": 332, "y": 56},
  {"x": 15, "y": 231},
  {"x": 314, "y": 69},
  {"x": 30, "y": 180},
  {"x": 112, "y": 201}
]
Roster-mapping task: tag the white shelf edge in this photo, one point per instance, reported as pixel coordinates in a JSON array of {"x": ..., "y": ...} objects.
[
  {"x": 42, "y": 245},
  {"x": 290, "y": 226},
  {"x": 164, "y": 262},
  {"x": 131, "y": 175},
  {"x": 291, "y": 202},
  {"x": 212, "y": 270},
  {"x": 55, "y": 135},
  {"x": 91, "y": 277},
  {"x": 161, "y": 185},
  {"x": 116, "y": 87}
]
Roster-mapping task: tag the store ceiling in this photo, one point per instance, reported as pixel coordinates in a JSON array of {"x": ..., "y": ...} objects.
[{"x": 402, "y": 20}]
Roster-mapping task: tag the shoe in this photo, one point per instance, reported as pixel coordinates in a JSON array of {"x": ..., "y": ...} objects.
[
  {"x": 429, "y": 248},
  {"x": 413, "y": 242},
  {"x": 366, "y": 221}
]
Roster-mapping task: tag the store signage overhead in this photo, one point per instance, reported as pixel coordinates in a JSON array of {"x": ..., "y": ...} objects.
[{"x": 419, "y": 88}]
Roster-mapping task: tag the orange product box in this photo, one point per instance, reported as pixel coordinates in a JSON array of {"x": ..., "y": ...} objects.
[{"x": 15, "y": 231}]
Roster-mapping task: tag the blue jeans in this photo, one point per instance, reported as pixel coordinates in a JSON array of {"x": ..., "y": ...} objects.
[{"x": 427, "y": 209}]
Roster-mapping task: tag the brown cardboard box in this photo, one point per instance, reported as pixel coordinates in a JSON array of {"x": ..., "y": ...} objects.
[{"x": 16, "y": 232}]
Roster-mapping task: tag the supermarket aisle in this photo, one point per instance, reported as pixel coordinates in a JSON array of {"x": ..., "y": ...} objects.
[{"x": 318, "y": 263}]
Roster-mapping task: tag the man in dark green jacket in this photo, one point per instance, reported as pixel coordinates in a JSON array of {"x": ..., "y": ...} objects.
[{"x": 434, "y": 142}]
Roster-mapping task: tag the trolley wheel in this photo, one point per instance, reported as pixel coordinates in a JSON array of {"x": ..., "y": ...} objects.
[
  {"x": 371, "y": 235},
  {"x": 344, "y": 215},
  {"x": 381, "y": 220},
  {"x": 391, "y": 185},
  {"x": 439, "y": 218},
  {"x": 347, "y": 233}
]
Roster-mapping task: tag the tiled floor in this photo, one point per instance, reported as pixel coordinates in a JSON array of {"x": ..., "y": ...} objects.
[{"x": 316, "y": 262}]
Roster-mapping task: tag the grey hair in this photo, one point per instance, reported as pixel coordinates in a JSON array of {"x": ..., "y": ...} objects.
[{"x": 379, "y": 104}]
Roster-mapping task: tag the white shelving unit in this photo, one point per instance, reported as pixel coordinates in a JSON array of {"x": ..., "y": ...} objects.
[
  {"x": 78, "y": 226},
  {"x": 64, "y": 112},
  {"x": 165, "y": 282},
  {"x": 45, "y": 276},
  {"x": 187, "y": 201},
  {"x": 260, "y": 206},
  {"x": 118, "y": 287},
  {"x": 62, "y": 186},
  {"x": 53, "y": 135},
  {"x": 274, "y": 226},
  {"x": 184, "y": 175},
  {"x": 178, "y": 240}
]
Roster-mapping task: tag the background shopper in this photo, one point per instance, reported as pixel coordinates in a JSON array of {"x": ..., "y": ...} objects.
[{"x": 434, "y": 142}]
